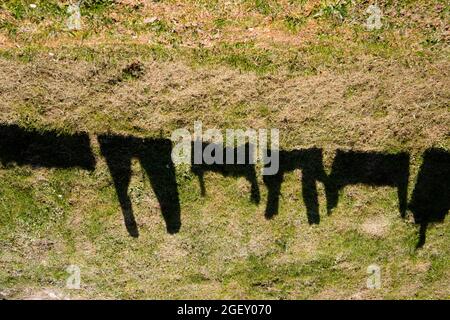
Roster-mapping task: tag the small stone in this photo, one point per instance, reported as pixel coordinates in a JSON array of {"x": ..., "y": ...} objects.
[{"x": 33, "y": 6}]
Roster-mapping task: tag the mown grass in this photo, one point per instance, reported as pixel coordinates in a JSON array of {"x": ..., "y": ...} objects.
[
  {"x": 51, "y": 218},
  {"x": 226, "y": 248}
]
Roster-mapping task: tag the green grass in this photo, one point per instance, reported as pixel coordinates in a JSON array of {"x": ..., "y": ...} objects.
[
  {"x": 221, "y": 236},
  {"x": 319, "y": 76}
]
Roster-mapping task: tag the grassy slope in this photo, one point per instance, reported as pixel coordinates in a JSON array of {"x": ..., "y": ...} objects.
[{"x": 306, "y": 67}]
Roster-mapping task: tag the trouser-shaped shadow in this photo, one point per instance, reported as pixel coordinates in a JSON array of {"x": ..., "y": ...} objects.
[
  {"x": 48, "y": 149},
  {"x": 370, "y": 168},
  {"x": 245, "y": 168},
  {"x": 154, "y": 156},
  {"x": 310, "y": 162},
  {"x": 430, "y": 201}
]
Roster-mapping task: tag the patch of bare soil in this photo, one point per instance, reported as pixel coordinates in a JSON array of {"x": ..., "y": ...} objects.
[{"x": 376, "y": 227}]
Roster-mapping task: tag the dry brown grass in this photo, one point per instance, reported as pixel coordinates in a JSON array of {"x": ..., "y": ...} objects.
[{"x": 371, "y": 105}]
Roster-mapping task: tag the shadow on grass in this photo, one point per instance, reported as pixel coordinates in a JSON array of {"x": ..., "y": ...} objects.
[
  {"x": 155, "y": 158},
  {"x": 368, "y": 168},
  {"x": 430, "y": 201},
  {"x": 246, "y": 169},
  {"x": 349, "y": 167},
  {"x": 310, "y": 161},
  {"x": 48, "y": 149}
]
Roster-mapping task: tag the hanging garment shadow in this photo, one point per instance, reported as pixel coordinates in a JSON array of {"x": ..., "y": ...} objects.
[
  {"x": 310, "y": 162},
  {"x": 369, "y": 168},
  {"x": 154, "y": 156},
  {"x": 430, "y": 201},
  {"x": 48, "y": 149},
  {"x": 246, "y": 168}
]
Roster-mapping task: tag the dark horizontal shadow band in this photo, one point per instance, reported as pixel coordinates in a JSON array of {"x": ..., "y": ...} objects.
[{"x": 430, "y": 201}]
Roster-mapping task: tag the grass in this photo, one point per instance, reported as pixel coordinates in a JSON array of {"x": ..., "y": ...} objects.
[
  {"x": 309, "y": 68},
  {"x": 288, "y": 259}
]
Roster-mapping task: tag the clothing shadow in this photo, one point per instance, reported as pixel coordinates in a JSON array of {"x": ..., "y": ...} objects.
[
  {"x": 49, "y": 149},
  {"x": 430, "y": 200},
  {"x": 245, "y": 167},
  {"x": 368, "y": 168},
  {"x": 154, "y": 156},
  {"x": 310, "y": 162}
]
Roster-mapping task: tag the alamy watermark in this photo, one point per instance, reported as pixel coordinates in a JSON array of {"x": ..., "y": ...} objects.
[
  {"x": 74, "y": 279},
  {"x": 74, "y": 20},
  {"x": 373, "y": 22},
  {"x": 212, "y": 146},
  {"x": 374, "y": 279}
]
